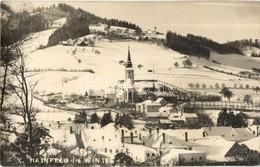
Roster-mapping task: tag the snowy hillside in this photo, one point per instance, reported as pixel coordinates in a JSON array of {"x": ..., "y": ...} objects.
[
  {"x": 61, "y": 68},
  {"x": 248, "y": 50}
]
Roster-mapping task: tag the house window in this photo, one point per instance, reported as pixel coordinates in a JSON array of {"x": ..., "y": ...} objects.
[
  {"x": 223, "y": 135},
  {"x": 183, "y": 159},
  {"x": 192, "y": 158},
  {"x": 94, "y": 140},
  {"x": 109, "y": 139},
  {"x": 116, "y": 150},
  {"x": 170, "y": 142},
  {"x": 105, "y": 150},
  {"x": 110, "y": 150},
  {"x": 153, "y": 154},
  {"x": 148, "y": 155},
  {"x": 200, "y": 158}
]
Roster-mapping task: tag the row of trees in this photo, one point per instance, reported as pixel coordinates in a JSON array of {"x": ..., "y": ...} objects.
[
  {"x": 124, "y": 119},
  {"x": 120, "y": 23},
  {"x": 244, "y": 42}
]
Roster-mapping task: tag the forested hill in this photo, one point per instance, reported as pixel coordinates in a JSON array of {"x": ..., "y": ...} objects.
[
  {"x": 244, "y": 43},
  {"x": 197, "y": 46},
  {"x": 78, "y": 22}
]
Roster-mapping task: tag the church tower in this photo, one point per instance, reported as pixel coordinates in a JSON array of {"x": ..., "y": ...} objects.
[{"x": 129, "y": 71}]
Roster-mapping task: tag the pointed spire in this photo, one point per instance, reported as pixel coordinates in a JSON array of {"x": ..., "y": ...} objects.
[{"x": 129, "y": 62}]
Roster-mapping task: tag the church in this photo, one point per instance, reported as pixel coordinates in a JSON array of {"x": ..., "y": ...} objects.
[{"x": 128, "y": 92}]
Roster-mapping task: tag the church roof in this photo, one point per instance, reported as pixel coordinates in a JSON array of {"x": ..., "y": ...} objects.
[
  {"x": 129, "y": 62},
  {"x": 129, "y": 84}
]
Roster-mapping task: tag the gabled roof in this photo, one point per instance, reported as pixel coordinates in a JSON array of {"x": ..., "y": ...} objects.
[
  {"x": 173, "y": 154},
  {"x": 215, "y": 147},
  {"x": 129, "y": 84},
  {"x": 159, "y": 100},
  {"x": 244, "y": 134},
  {"x": 180, "y": 133},
  {"x": 253, "y": 144},
  {"x": 170, "y": 142},
  {"x": 227, "y": 133}
]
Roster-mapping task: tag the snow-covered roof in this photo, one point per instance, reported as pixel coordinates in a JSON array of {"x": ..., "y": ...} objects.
[
  {"x": 253, "y": 144},
  {"x": 216, "y": 147},
  {"x": 159, "y": 100},
  {"x": 229, "y": 133},
  {"x": 173, "y": 155},
  {"x": 63, "y": 137},
  {"x": 139, "y": 152},
  {"x": 180, "y": 133},
  {"x": 244, "y": 134},
  {"x": 129, "y": 84}
]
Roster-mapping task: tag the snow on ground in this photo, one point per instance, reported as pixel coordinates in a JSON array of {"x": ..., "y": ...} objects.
[
  {"x": 248, "y": 50},
  {"x": 108, "y": 70},
  {"x": 59, "y": 22},
  {"x": 54, "y": 116},
  {"x": 37, "y": 39},
  {"x": 236, "y": 60}
]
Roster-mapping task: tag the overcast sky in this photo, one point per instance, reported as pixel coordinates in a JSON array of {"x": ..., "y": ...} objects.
[{"x": 220, "y": 21}]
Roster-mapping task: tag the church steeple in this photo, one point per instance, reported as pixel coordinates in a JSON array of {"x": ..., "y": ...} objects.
[
  {"x": 129, "y": 71},
  {"x": 129, "y": 62}
]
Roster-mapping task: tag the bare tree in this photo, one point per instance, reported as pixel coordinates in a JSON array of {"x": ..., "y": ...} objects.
[{"x": 24, "y": 91}]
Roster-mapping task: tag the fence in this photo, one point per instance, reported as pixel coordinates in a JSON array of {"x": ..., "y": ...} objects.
[{"x": 218, "y": 105}]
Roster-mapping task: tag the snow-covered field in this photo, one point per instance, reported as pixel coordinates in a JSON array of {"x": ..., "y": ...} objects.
[{"x": 108, "y": 70}]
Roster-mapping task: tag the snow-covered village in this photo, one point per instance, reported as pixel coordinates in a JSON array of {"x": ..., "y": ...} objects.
[{"x": 81, "y": 86}]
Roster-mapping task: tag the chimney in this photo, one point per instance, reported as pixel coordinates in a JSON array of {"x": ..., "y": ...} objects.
[
  {"x": 163, "y": 135},
  {"x": 132, "y": 137},
  {"x": 71, "y": 130},
  {"x": 204, "y": 134},
  {"x": 186, "y": 136},
  {"x": 157, "y": 129},
  {"x": 122, "y": 136}
]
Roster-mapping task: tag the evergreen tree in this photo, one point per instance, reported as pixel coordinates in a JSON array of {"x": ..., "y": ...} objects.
[
  {"x": 106, "y": 119},
  {"x": 94, "y": 118}
]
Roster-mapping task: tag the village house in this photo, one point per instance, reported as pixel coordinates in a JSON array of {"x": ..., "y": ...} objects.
[
  {"x": 218, "y": 150},
  {"x": 229, "y": 133},
  {"x": 111, "y": 140},
  {"x": 176, "y": 157},
  {"x": 254, "y": 146}
]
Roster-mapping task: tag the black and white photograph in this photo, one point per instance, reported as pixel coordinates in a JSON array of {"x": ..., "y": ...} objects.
[{"x": 130, "y": 83}]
